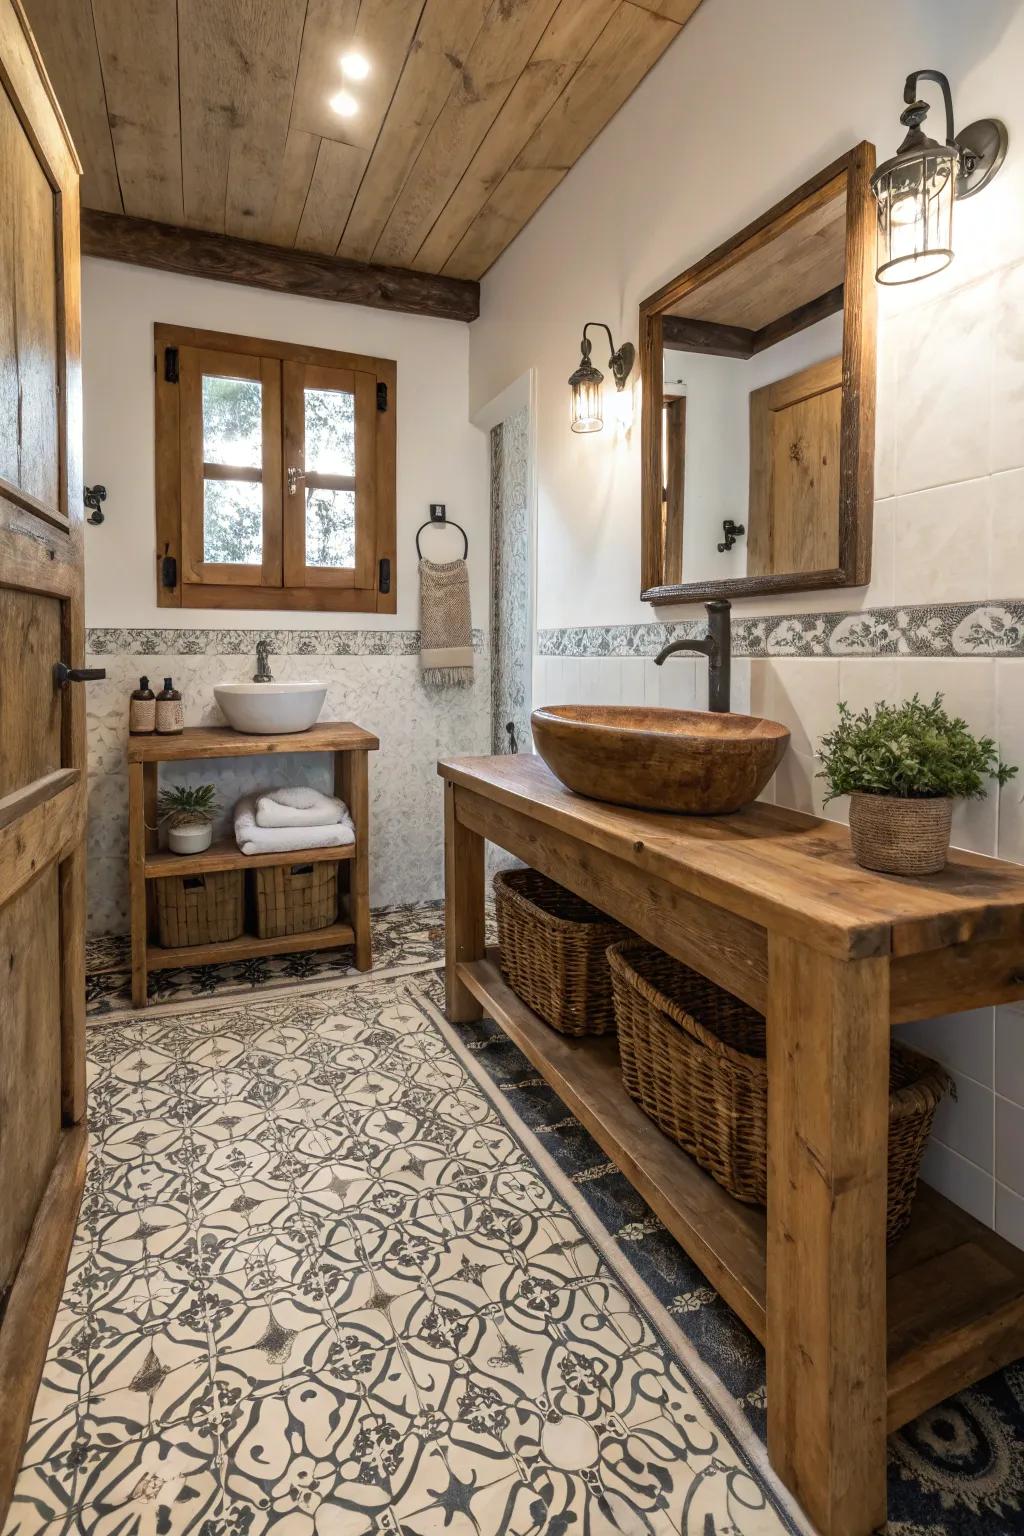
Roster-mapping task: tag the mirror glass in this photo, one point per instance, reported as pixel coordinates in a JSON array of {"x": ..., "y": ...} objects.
[{"x": 745, "y": 459}]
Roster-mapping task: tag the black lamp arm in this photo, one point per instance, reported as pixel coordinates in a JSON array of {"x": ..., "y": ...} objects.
[
  {"x": 910, "y": 94},
  {"x": 621, "y": 358},
  {"x": 607, "y": 330}
]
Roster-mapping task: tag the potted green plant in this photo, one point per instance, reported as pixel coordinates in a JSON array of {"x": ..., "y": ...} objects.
[
  {"x": 187, "y": 811},
  {"x": 903, "y": 766}
]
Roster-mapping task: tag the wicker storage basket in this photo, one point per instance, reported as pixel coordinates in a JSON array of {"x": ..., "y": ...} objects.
[
  {"x": 693, "y": 1057},
  {"x": 552, "y": 947},
  {"x": 296, "y": 898},
  {"x": 199, "y": 909}
]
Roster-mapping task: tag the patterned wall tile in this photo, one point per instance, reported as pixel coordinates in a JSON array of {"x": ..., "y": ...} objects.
[
  {"x": 510, "y": 584},
  {"x": 242, "y": 642},
  {"x": 989, "y": 628}
]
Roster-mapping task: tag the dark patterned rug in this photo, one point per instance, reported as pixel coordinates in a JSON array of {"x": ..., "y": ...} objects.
[{"x": 958, "y": 1470}]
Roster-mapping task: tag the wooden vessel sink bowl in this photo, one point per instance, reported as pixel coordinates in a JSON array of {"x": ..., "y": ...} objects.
[{"x": 660, "y": 759}]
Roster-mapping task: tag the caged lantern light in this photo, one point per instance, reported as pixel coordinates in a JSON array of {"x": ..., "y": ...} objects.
[
  {"x": 585, "y": 382},
  {"x": 916, "y": 189}
]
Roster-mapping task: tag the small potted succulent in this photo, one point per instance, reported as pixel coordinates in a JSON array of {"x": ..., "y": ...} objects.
[
  {"x": 903, "y": 766},
  {"x": 187, "y": 811}
]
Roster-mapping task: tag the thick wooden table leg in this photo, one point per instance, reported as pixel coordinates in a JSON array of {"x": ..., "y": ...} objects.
[
  {"x": 828, "y": 1087},
  {"x": 463, "y": 908},
  {"x": 351, "y": 777}
]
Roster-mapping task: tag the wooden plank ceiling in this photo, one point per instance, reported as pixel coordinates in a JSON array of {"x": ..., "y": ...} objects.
[{"x": 215, "y": 114}]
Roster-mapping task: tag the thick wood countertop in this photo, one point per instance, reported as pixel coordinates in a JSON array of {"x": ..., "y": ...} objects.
[
  {"x": 791, "y": 873},
  {"x": 198, "y": 741}
]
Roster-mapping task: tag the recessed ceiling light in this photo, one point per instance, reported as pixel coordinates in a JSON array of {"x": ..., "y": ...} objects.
[
  {"x": 345, "y": 104},
  {"x": 354, "y": 66}
]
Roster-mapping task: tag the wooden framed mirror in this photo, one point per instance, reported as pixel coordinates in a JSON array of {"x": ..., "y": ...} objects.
[{"x": 758, "y": 428}]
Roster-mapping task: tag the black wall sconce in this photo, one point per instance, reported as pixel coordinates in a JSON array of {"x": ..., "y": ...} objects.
[
  {"x": 585, "y": 383},
  {"x": 94, "y": 496},
  {"x": 915, "y": 190}
]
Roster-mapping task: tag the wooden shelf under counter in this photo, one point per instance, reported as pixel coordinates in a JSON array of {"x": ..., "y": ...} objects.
[
  {"x": 349, "y": 745},
  {"x": 949, "y": 1277}
]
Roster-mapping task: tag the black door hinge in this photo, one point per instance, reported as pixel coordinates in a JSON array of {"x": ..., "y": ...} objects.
[
  {"x": 171, "y": 365},
  {"x": 384, "y": 579},
  {"x": 169, "y": 572},
  {"x": 382, "y": 397}
]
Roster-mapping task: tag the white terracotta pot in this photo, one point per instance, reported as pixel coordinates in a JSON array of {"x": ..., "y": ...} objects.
[{"x": 191, "y": 838}]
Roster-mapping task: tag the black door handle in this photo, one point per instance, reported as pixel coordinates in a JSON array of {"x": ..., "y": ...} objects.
[{"x": 63, "y": 674}]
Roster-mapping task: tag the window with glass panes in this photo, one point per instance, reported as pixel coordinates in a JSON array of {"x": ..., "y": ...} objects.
[{"x": 275, "y": 475}]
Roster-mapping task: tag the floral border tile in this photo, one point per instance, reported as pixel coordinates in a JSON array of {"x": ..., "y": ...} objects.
[
  {"x": 990, "y": 628},
  {"x": 242, "y": 642}
]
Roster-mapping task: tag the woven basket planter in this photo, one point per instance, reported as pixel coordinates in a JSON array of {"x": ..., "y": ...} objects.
[
  {"x": 295, "y": 898},
  {"x": 900, "y": 837},
  {"x": 553, "y": 952},
  {"x": 199, "y": 909},
  {"x": 693, "y": 1058}
]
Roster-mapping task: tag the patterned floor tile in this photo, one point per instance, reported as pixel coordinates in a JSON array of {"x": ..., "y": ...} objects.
[
  {"x": 405, "y": 937},
  {"x": 320, "y": 1286},
  {"x": 392, "y": 1321}
]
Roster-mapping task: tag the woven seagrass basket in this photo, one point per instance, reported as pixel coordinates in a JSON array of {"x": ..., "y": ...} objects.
[
  {"x": 900, "y": 837},
  {"x": 693, "y": 1057},
  {"x": 199, "y": 909},
  {"x": 553, "y": 952},
  {"x": 295, "y": 898}
]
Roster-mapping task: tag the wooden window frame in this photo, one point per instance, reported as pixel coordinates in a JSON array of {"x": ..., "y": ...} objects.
[{"x": 281, "y": 366}]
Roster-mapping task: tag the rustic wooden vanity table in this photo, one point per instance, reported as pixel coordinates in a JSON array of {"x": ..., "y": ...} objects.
[
  {"x": 769, "y": 904},
  {"x": 349, "y": 744}
]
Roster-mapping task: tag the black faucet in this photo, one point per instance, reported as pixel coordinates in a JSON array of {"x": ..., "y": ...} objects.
[
  {"x": 263, "y": 673},
  {"x": 717, "y": 647}
]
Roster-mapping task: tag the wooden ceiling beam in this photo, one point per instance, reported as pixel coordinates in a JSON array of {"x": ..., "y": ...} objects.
[{"x": 197, "y": 253}]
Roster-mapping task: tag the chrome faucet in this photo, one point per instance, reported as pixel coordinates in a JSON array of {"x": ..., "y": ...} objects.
[
  {"x": 717, "y": 647},
  {"x": 263, "y": 673}
]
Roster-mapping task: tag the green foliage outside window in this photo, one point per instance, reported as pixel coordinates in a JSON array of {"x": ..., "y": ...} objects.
[{"x": 233, "y": 509}]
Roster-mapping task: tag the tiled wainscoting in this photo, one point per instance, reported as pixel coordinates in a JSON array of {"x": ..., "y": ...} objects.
[
  {"x": 976, "y": 1156},
  {"x": 373, "y": 678}
]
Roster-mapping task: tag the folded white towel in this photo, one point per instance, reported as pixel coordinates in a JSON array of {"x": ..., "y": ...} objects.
[
  {"x": 295, "y": 805},
  {"x": 253, "y": 839}
]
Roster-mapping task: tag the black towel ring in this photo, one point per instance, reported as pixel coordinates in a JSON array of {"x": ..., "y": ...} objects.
[{"x": 439, "y": 518}]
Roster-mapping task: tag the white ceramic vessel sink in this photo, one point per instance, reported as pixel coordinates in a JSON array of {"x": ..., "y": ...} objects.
[{"x": 270, "y": 709}]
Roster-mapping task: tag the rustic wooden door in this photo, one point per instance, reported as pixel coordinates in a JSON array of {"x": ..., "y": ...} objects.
[
  {"x": 42, "y": 725},
  {"x": 793, "y": 522}
]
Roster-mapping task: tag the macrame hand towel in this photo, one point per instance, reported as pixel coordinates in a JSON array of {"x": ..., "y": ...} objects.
[{"x": 446, "y": 629}]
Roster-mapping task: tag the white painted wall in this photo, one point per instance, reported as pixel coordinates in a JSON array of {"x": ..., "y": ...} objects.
[
  {"x": 750, "y": 101},
  {"x": 441, "y": 457}
]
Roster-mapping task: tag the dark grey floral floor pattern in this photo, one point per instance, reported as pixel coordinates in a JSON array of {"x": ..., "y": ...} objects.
[
  {"x": 322, "y": 1287},
  {"x": 956, "y": 1471}
]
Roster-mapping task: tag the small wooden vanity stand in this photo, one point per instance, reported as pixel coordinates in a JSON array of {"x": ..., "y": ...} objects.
[
  {"x": 147, "y": 862},
  {"x": 770, "y": 904}
]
